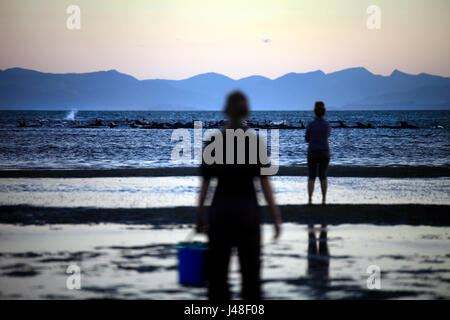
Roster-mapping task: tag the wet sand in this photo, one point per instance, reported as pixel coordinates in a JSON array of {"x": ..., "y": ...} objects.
[
  {"x": 158, "y": 192},
  {"x": 334, "y": 171},
  {"x": 428, "y": 215},
  {"x": 139, "y": 262},
  {"x": 123, "y": 231}
]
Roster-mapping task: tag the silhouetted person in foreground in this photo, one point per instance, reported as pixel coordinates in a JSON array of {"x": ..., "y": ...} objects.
[
  {"x": 234, "y": 215},
  {"x": 317, "y": 134}
]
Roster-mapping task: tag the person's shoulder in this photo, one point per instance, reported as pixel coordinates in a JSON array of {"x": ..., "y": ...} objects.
[{"x": 324, "y": 121}]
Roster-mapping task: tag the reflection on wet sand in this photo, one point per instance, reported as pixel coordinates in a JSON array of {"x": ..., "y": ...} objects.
[
  {"x": 139, "y": 262},
  {"x": 318, "y": 255}
]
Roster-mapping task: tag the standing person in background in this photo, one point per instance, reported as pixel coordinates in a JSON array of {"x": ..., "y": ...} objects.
[
  {"x": 234, "y": 215},
  {"x": 317, "y": 134}
]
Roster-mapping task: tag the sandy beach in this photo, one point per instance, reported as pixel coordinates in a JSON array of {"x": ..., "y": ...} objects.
[
  {"x": 139, "y": 262},
  {"x": 122, "y": 226}
]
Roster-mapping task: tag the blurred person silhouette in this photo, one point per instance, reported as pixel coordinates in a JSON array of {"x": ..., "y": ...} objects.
[
  {"x": 233, "y": 219},
  {"x": 317, "y": 134}
]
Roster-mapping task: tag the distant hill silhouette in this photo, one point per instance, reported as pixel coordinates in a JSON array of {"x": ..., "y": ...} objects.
[{"x": 114, "y": 90}]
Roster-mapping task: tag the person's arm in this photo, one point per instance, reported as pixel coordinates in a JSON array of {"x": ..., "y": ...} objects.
[
  {"x": 200, "y": 221},
  {"x": 268, "y": 195},
  {"x": 307, "y": 134}
]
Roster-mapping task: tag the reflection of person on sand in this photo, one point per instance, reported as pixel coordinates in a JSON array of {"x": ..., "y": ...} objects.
[
  {"x": 318, "y": 257},
  {"x": 317, "y": 133},
  {"x": 234, "y": 217}
]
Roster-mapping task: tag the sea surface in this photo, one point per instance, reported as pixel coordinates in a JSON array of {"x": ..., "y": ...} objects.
[{"x": 70, "y": 140}]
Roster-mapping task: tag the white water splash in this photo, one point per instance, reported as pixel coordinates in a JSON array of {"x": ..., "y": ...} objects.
[{"x": 71, "y": 115}]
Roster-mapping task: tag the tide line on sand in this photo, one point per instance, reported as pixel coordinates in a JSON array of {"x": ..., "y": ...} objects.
[
  {"x": 334, "y": 171},
  {"x": 410, "y": 214}
]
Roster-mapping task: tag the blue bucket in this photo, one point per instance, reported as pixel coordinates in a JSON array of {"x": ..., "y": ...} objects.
[{"x": 191, "y": 263}]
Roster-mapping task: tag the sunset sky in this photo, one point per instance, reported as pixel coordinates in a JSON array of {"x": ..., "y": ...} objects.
[{"x": 176, "y": 39}]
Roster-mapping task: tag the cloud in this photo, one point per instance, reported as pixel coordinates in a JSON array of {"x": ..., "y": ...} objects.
[{"x": 267, "y": 40}]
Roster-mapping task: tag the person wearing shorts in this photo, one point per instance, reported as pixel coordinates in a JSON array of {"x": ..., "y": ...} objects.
[{"x": 317, "y": 133}]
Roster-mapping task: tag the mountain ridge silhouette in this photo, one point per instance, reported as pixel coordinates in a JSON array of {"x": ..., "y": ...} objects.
[{"x": 114, "y": 90}]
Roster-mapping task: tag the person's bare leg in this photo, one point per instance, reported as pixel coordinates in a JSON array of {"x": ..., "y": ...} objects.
[
  {"x": 324, "y": 187},
  {"x": 310, "y": 190}
]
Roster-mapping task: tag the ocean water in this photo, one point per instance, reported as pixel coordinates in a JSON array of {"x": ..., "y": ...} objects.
[{"x": 67, "y": 139}]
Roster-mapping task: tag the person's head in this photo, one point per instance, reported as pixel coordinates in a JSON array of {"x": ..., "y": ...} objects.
[
  {"x": 236, "y": 107},
  {"x": 319, "y": 109}
]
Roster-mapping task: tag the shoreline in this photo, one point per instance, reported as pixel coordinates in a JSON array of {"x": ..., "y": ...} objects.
[
  {"x": 333, "y": 171},
  {"x": 407, "y": 214}
]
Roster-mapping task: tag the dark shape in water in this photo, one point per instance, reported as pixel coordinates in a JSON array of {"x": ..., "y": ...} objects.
[
  {"x": 403, "y": 125},
  {"x": 23, "y": 124},
  {"x": 142, "y": 122},
  {"x": 266, "y": 124},
  {"x": 98, "y": 123},
  {"x": 341, "y": 124},
  {"x": 436, "y": 125},
  {"x": 302, "y": 126},
  {"x": 360, "y": 125}
]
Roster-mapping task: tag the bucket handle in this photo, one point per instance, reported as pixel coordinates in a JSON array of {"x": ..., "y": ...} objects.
[{"x": 191, "y": 235}]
